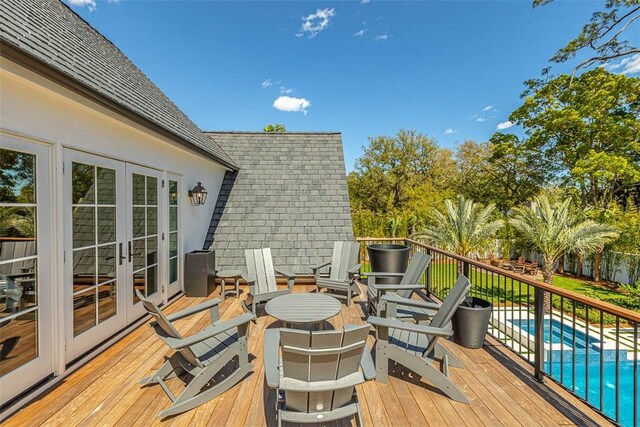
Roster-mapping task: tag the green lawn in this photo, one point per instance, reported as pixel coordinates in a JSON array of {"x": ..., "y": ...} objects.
[
  {"x": 585, "y": 287},
  {"x": 506, "y": 292},
  {"x": 501, "y": 290}
]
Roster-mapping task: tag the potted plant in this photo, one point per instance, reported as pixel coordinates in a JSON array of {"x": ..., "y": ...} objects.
[
  {"x": 471, "y": 321},
  {"x": 388, "y": 258}
]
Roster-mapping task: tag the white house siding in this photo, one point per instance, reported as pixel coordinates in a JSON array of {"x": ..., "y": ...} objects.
[
  {"x": 49, "y": 114},
  {"x": 36, "y": 109}
]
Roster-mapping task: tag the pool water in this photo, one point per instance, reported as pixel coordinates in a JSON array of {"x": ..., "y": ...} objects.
[
  {"x": 559, "y": 334},
  {"x": 576, "y": 377}
]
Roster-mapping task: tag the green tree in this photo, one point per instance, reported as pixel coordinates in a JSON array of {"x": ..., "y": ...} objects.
[
  {"x": 393, "y": 168},
  {"x": 6, "y": 221},
  {"x": 274, "y": 128},
  {"x": 17, "y": 177},
  {"x": 603, "y": 36},
  {"x": 553, "y": 231},
  {"x": 463, "y": 226},
  {"x": 503, "y": 171},
  {"x": 473, "y": 179},
  {"x": 590, "y": 131},
  {"x": 627, "y": 219},
  {"x": 518, "y": 172},
  {"x": 396, "y": 181}
]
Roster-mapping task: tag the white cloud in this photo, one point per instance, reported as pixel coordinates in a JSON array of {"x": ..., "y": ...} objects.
[
  {"x": 630, "y": 65},
  {"x": 382, "y": 37},
  {"x": 449, "y": 131},
  {"x": 359, "y": 33},
  {"x": 488, "y": 108},
  {"x": 267, "y": 83},
  {"x": 285, "y": 90},
  {"x": 91, "y": 4},
  {"x": 504, "y": 125},
  {"x": 290, "y": 104},
  {"x": 365, "y": 1},
  {"x": 481, "y": 119},
  {"x": 316, "y": 22}
]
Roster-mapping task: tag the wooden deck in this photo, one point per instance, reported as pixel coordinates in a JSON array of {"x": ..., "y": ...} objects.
[{"x": 105, "y": 391}]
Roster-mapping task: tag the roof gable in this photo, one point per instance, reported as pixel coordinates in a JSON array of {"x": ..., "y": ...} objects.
[
  {"x": 49, "y": 32},
  {"x": 290, "y": 194}
]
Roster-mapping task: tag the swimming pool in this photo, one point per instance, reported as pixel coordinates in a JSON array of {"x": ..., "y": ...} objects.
[
  {"x": 582, "y": 375},
  {"x": 559, "y": 333}
]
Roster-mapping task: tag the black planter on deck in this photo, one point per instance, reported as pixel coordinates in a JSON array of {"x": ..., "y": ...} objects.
[
  {"x": 388, "y": 258},
  {"x": 470, "y": 322}
]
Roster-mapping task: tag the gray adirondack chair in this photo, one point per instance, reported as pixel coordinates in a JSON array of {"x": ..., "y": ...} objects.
[
  {"x": 422, "y": 312},
  {"x": 262, "y": 277},
  {"x": 201, "y": 356},
  {"x": 315, "y": 373},
  {"x": 343, "y": 270},
  {"x": 416, "y": 346},
  {"x": 409, "y": 284}
]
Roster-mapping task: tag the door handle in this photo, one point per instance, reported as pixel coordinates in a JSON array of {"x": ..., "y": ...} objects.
[
  {"x": 121, "y": 257},
  {"x": 130, "y": 251}
]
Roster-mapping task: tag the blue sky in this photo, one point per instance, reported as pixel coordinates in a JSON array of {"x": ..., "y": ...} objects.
[{"x": 451, "y": 69}]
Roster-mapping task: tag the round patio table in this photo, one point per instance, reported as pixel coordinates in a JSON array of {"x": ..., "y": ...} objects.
[{"x": 303, "y": 311}]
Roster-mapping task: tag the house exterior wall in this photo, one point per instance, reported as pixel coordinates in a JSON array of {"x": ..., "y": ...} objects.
[
  {"x": 53, "y": 115},
  {"x": 39, "y": 112}
]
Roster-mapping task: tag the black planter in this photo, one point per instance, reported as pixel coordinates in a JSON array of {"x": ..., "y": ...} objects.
[
  {"x": 470, "y": 322},
  {"x": 388, "y": 258}
]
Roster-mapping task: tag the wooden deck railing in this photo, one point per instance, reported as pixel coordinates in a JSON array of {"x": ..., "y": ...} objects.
[{"x": 588, "y": 346}]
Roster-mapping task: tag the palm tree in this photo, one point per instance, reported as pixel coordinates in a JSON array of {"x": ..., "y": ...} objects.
[
  {"x": 553, "y": 231},
  {"x": 463, "y": 227},
  {"x": 6, "y": 221},
  {"x": 25, "y": 223}
]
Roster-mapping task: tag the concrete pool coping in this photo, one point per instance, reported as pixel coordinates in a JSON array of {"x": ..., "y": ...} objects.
[{"x": 522, "y": 342}]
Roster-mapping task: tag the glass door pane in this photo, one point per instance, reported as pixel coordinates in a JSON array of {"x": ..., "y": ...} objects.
[
  {"x": 144, "y": 236},
  {"x": 25, "y": 266},
  {"x": 174, "y": 233},
  {"x": 94, "y": 249},
  {"x": 19, "y": 305},
  {"x": 94, "y": 225}
]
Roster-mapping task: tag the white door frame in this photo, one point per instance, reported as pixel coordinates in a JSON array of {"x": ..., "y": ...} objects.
[
  {"x": 75, "y": 346},
  {"x": 18, "y": 380},
  {"x": 177, "y": 286}
]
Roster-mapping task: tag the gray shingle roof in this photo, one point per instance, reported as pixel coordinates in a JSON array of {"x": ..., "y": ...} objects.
[
  {"x": 290, "y": 194},
  {"x": 48, "y": 31}
]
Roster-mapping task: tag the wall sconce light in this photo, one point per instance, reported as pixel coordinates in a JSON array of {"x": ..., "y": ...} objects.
[{"x": 198, "y": 195}]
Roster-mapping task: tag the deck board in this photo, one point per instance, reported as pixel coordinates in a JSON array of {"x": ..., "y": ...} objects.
[{"x": 105, "y": 391}]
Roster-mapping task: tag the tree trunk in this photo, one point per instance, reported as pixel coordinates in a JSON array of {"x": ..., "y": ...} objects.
[
  {"x": 597, "y": 266},
  {"x": 579, "y": 263},
  {"x": 547, "y": 276},
  {"x": 560, "y": 269}
]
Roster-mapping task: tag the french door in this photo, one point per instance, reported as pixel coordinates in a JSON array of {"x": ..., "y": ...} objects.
[
  {"x": 95, "y": 281},
  {"x": 112, "y": 245},
  {"x": 25, "y": 266},
  {"x": 144, "y": 201}
]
